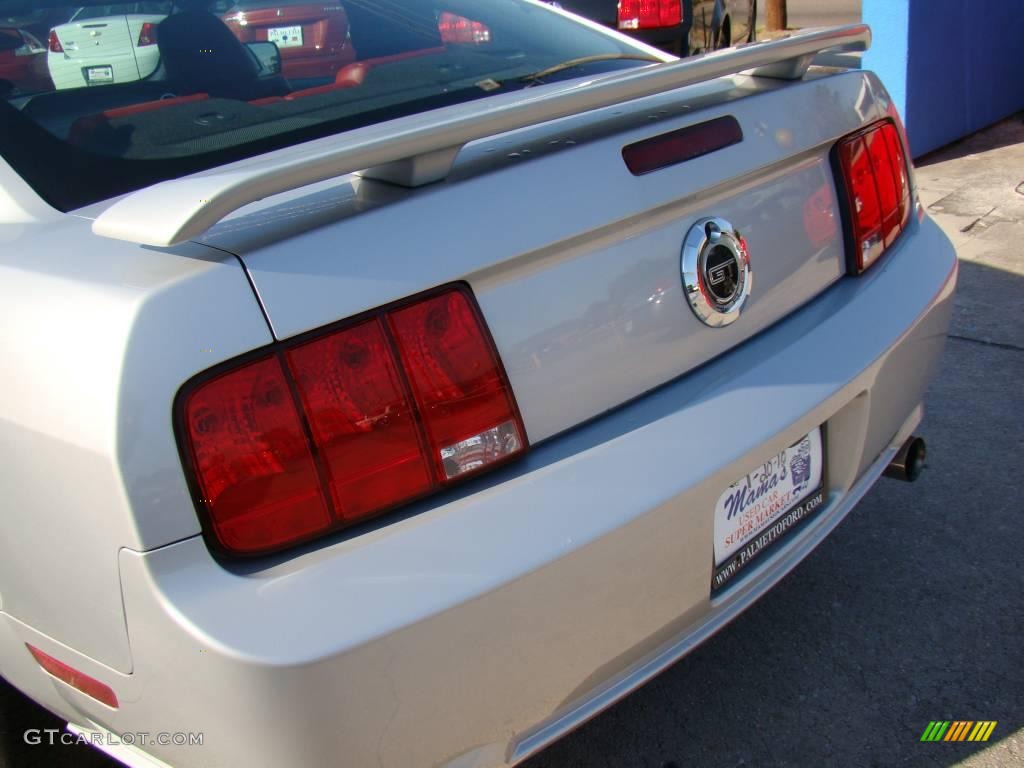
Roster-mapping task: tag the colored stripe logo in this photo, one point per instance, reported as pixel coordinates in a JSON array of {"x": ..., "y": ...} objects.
[{"x": 959, "y": 730}]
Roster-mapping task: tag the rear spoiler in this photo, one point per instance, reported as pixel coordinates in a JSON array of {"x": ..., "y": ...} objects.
[{"x": 422, "y": 148}]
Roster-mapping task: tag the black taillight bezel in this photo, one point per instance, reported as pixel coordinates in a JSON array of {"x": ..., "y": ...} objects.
[{"x": 277, "y": 349}]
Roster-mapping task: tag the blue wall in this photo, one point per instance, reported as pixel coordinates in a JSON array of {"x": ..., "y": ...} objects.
[{"x": 952, "y": 66}]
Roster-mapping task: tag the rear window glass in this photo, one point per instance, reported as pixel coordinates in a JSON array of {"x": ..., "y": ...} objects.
[
  {"x": 123, "y": 9},
  {"x": 111, "y": 98}
]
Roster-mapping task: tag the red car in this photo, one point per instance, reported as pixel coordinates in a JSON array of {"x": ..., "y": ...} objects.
[
  {"x": 23, "y": 61},
  {"x": 313, "y": 38}
]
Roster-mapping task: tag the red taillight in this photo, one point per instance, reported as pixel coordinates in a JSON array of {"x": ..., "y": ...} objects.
[
  {"x": 362, "y": 420},
  {"x": 457, "y": 383},
  {"x": 357, "y": 421},
  {"x": 648, "y": 14},
  {"x": 253, "y": 462},
  {"x": 77, "y": 680},
  {"x": 458, "y": 29},
  {"x": 147, "y": 35},
  {"x": 55, "y": 46},
  {"x": 874, "y": 171}
]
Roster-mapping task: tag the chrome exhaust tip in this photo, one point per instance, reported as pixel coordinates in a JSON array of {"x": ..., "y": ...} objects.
[{"x": 908, "y": 461}]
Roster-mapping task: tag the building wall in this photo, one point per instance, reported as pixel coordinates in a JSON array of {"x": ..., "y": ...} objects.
[{"x": 952, "y": 66}]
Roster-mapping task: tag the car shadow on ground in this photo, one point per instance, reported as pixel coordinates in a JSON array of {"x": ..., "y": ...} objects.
[{"x": 22, "y": 720}]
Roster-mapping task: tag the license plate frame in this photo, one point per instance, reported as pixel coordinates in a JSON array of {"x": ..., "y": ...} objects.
[
  {"x": 285, "y": 37},
  {"x": 766, "y": 506},
  {"x": 101, "y": 74}
]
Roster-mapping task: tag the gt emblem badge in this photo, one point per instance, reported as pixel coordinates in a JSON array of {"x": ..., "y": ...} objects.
[
  {"x": 716, "y": 271},
  {"x": 719, "y": 273}
]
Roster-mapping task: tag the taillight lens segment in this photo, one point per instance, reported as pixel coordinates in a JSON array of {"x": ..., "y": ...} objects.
[
  {"x": 257, "y": 477},
  {"x": 329, "y": 431},
  {"x": 54, "y": 42},
  {"x": 362, "y": 421},
  {"x": 649, "y": 14},
  {"x": 458, "y": 384},
  {"x": 147, "y": 35},
  {"x": 874, "y": 171}
]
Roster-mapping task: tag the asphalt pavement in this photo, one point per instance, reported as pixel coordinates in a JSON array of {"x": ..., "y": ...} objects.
[{"x": 911, "y": 611}]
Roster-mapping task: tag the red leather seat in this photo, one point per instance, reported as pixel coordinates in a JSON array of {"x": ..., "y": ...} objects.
[
  {"x": 147, "y": 106},
  {"x": 355, "y": 73}
]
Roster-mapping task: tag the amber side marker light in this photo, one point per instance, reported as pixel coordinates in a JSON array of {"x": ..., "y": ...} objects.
[
  {"x": 343, "y": 424},
  {"x": 80, "y": 681}
]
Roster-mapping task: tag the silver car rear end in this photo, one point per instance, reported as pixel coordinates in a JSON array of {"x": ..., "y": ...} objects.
[
  {"x": 512, "y": 611},
  {"x": 472, "y": 627}
]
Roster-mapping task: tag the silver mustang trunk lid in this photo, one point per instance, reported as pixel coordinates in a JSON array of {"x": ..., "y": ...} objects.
[{"x": 576, "y": 261}]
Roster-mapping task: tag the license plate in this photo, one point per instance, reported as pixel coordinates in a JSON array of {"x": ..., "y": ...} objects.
[
  {"x": 760, "y": 509},
  {"x": 99, "y": 74},
  {"x": 285, "y": 37}
]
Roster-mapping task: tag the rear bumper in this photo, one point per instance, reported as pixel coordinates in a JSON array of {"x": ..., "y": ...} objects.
[{"x": 475, "y": 631}]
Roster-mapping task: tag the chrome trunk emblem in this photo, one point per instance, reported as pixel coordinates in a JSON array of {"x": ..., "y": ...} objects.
[{"x": 716, "y": 271}]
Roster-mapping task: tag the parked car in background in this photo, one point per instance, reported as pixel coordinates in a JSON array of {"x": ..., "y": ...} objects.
[
  {"x": 721, "y": 23},
  {"x": 109, "y": 44},
  {"x": 38, "y": 21},
  {"x": 679, "y": 26},
  {"x": 413, "y": 418},
  {"x": 22, "y": 62},
  {"x": 313, "y": 38},
  {"x": 106, "y": 44}
]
